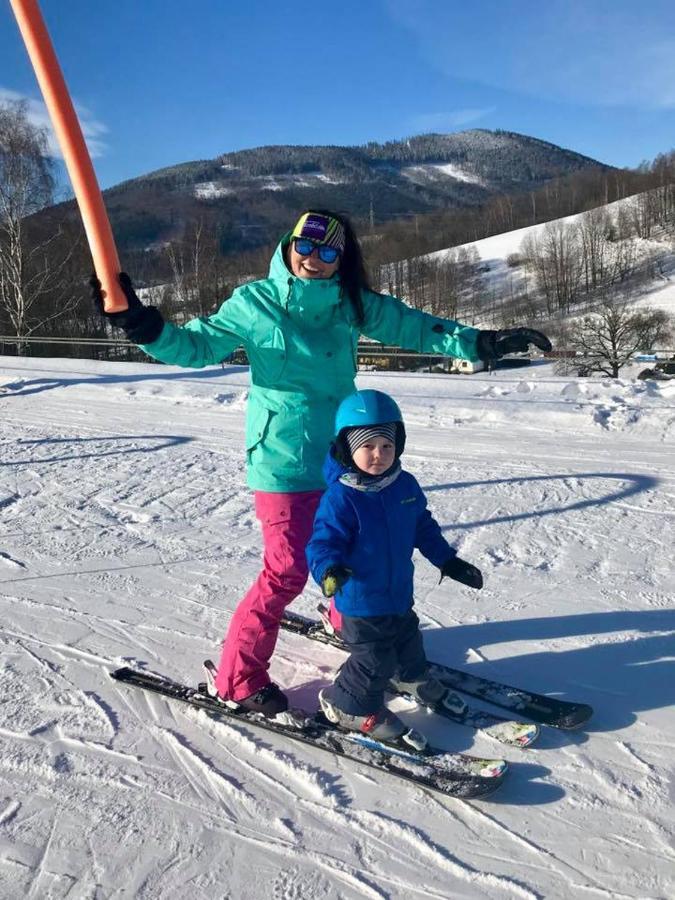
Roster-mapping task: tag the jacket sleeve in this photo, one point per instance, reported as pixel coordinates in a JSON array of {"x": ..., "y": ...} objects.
[
  {"x": 205, "y": 341},
  {"x": 429, "y": 539},
  {"x": 390, "y": 321},
  {"x": 332, "y": 537}
]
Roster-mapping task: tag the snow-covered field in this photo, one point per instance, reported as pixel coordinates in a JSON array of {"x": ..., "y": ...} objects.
[
  {"x": 127, "y": 536},
  {"x": 503, "y": 280}
]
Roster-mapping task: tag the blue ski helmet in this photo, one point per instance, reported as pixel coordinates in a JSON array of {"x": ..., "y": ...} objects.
[{"x": 362, "y": 409}]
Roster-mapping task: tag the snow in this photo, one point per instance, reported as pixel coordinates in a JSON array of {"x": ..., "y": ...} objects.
[
  {"x": 128, "y": 536},
  {"x": 499, "y": 246},
  {"x": 499, "y": 276},
  {"x": 660, "y": 298},
  {"x": 431, "y": 171},
  {"x": 211, "y": 190},
  {"x": 285, "y": 182}
]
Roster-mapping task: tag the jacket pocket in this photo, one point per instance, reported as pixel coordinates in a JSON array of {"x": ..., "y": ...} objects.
[
  {"x": 267, "y": 356},
  {"x": 275, "y": 440},
  {"x": 257, "y": 423}
]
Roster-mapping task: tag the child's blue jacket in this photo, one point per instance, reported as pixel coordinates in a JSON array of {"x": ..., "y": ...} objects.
[{"x": 374, "y": 533}]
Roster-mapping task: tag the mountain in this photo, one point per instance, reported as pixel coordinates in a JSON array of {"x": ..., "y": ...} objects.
[{"x": 251, "y": 196}]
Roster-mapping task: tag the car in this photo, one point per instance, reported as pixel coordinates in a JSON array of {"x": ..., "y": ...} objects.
[
  {"x": 655, "y": 374},
  {"x": 667, "y": 366}
]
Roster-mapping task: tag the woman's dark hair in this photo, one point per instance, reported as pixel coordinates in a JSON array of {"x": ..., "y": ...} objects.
[{"x": 352, "y": 271}]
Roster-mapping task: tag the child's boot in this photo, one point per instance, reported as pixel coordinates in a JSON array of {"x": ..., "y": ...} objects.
[
  {"x": 384, "y": 725},
  {"x": 431, "y": 692}
]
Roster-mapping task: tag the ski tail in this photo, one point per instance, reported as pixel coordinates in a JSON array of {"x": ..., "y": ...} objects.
[{"x": 450, "y": 777}]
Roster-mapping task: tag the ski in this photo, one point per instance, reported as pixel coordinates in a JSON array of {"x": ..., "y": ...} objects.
[
  {"x": 454, "y": 775},
  {"x": 506, "y": 731},
  {"x": 545, "y": 710}
]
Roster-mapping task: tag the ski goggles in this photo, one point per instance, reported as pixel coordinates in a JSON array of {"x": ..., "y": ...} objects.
[{"x": 305, "y": 247}]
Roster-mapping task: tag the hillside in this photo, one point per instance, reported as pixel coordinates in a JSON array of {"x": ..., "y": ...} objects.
[
  {"x": 248, "y": 198},
  {"x": 501, "y": 279}
]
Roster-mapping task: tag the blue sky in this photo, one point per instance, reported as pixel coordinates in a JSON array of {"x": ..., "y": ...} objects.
[{"x": 157, "y": 82}]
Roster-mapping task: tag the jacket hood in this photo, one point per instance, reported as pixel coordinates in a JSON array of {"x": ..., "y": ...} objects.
[
  {"x": 310, "y": 302},
  {"x": 332, "y": 469},
  {"x": 279, "y": 271}
]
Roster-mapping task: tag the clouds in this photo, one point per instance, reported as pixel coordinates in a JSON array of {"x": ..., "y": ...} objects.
[
  {"x": 93, "y": 130},
  {"x": 617, "y": 53},
  {"x": 449, "y": 121}
]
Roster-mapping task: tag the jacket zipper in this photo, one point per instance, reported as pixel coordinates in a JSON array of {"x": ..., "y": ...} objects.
[{"x": 389, "y": 553}]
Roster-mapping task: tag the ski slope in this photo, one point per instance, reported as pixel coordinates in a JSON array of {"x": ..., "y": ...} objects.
[
  {"x": 502, "y": 280},
  {"x": 127, "y": 536}
]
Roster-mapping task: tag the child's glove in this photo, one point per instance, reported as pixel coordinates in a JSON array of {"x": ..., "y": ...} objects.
[
  {"x": 333, "y": 579},
  {"x": 142, "y": 324},
  {"x": 462, "y": 571}
]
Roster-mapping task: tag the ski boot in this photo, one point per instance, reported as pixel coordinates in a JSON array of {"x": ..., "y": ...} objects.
[
  {"x": 432, "y": 693},
  {"x": 383, "y": 726},
  {"x": 269, "y": 701}
]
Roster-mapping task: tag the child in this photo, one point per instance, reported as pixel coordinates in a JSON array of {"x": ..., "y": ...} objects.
[{"x": 368, "y": 523}]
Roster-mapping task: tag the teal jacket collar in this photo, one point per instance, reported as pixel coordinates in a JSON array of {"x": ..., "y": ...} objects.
[{"x": 310, "y": 302}]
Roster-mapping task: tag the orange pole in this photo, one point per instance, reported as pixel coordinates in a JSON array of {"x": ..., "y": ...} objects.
[{"x": 75, "y": 153}]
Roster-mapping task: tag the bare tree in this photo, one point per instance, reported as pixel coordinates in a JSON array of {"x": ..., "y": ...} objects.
[
  {"x": 594, "y": 227},
  {"x": 555, "y": 259},
  {"x": 199, "y": 280},
  {"x": 30, "y": 271},
  {"x": 614, "y": 332},
  {"x": 645, "y": 213}
]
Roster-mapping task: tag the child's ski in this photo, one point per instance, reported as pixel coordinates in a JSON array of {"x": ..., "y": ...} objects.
[
  {"x": 506, "y": 731},
  {"x": 454, "y": 775},
  {"x": 539, "y": 707}
]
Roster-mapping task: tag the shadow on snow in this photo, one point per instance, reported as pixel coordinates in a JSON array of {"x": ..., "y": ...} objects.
[
  {"x": 637, "y": 484},
  {"x": 21, "y": 388},
  {"x": 162, "y": 442}
]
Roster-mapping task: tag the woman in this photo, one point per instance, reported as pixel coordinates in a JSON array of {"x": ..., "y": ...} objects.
[{"x": 300, "y": 327}]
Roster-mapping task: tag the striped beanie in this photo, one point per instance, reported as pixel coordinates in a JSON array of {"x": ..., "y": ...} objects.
[
  {"x": 321, "y": 229},
  {"x": 357, "y": 437}
]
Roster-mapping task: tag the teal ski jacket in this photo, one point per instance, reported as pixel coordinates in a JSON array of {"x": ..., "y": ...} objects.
[{"x": 300, "y": 336}]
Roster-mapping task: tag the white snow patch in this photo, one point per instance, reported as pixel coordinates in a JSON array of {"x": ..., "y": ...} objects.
[
  {"x": 431, "y": 171},
  {"x": 211, "y": 190},
  {"x": 285, "y": 182}
]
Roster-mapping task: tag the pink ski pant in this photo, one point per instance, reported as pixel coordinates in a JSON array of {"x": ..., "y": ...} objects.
[{"x": 287, "y": 521}]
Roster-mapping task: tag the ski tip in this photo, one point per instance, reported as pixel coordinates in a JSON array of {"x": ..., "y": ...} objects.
[
  {"x": 121, "y": 673},
  {"x": 527, "y": 734},
  {"x": 491, "y": 768},
  {"x": 479, "y": 788},
  {"x": 575, "y": 718}
]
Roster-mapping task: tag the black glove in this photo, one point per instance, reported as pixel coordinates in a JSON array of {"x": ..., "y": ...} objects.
[
  {"x": 462, "y": 571},
  {"x": 142, "y": 324},
  {"x": 491, "y": 345},
  {"x": 333, "y": 579}
]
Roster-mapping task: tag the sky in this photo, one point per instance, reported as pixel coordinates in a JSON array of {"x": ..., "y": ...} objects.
[{"x": 161, "y": 82}]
